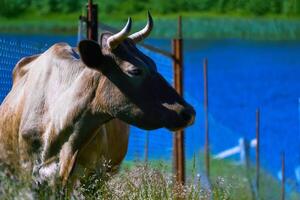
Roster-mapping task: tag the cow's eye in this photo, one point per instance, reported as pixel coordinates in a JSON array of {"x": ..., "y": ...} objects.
[{"x": 135, "y": 72}]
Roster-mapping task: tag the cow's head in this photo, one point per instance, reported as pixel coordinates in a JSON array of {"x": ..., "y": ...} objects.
[{"x": 131, "y": 89}]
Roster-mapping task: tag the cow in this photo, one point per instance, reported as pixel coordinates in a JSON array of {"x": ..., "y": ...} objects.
[{"x": 68, "y": 107}]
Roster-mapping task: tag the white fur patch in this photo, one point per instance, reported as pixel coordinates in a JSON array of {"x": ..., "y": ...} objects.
[{"x": 49, "y": 171}]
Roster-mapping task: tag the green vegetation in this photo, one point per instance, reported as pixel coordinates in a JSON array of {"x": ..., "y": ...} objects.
[
  {"x": 154, "y": 181},
  {"x": 12, "y": 8},
  {"x": 208, "y": 19},
  {"x": 228, "y": 179}
]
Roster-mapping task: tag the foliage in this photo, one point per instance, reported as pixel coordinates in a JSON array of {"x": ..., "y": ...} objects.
[
  {"x": 197, "y": 26},
  {"x": 12, "y": 8},
  {"x": 291, "y": 7},
  {"x": 258, "y": 7},
  {"x": 153, "y": 181},
  {"x": 50, "y": 6}
]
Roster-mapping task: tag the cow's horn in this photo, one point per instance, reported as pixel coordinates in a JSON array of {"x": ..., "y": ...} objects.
[
  {"x": 114, "y": 40},
  {"x": 142, "y": 34}
]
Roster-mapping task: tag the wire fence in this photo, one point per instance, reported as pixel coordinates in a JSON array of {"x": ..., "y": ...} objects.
[
  {"x": 159, "y": 143},
  {"x": 11, "y": 51}
]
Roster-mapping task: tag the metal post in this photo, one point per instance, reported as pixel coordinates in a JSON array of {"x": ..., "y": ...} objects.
[
  {"x": 178, "y": 141},
  {"x": 92, "y": 21},
  {"x": 245, "y": 152},
  {"x": 283, "y": 176},
  {"x": 257, "y": 150},
  {"x": 81, "y": 28},
  {"x": 205, "y": 105}
]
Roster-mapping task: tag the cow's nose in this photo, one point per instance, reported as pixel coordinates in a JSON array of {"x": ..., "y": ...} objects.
[{"x": 188, "y": 115}]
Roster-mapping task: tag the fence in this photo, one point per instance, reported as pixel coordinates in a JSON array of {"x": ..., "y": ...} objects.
[
  {"x": 160, "y": 141},
  {"x": 11, "y": 51},
  {"x": 90, "y": 23},
  {"x": 242, "y": 148}
]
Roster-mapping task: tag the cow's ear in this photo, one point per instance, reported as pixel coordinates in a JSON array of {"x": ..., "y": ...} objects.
[{"x": 90, "y": 53}]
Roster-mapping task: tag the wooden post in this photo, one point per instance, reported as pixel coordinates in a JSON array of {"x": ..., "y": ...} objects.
[
  {"x": 92, "y": 21},
  {"x": 205, "y": 105},
  {"x": 283, "y": 176},
  {"x": 178, "y": 140},
  {"x": 257, "y": 150}
]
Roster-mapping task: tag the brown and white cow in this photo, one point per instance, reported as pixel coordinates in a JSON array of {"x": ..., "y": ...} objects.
[{"x": 52, "y": 120}]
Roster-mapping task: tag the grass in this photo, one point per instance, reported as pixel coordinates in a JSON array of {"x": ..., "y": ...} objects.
[
  {"x": 229, "y": 180},
  {"x": 154, "y": 181},
  {"x": 197, "y": 25},
  {"x": 34, "y": 23}
]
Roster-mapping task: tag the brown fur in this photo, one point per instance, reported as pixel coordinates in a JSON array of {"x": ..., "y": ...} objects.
[
  {"x": 69, "y": 116},
  {"x": 15, "y": 149},
  {"x": 20, "y": 68}
]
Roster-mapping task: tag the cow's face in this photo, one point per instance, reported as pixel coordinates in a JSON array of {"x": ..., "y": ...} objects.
[{"x": 131, "y": 88}]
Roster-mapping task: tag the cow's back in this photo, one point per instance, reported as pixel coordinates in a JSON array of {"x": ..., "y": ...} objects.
[
  {"x": 38, "y": 81},
  {"x": 45, "y": 89},
  {"x": 10, "y": 115}
]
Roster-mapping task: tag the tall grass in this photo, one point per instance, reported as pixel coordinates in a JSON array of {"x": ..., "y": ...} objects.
[
  {"x": 152, "y": 181},
  {"x": 195, "y": 27},
  {"x": 230, "y": 27}
]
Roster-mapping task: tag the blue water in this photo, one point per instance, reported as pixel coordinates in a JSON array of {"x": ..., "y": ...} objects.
[{"x": 243, "y": 76}]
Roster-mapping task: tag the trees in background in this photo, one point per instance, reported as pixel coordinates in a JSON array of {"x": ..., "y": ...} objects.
[
  {"x": 50, "y": 6},
  {"x": 291, "y": 7},
  {"x": 11, "y": 8}
]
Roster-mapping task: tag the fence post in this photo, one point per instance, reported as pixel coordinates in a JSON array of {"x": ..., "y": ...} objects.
[
  {"x": 282, "y": 176},
  {"x": 178, "y": 140},
  {"x": 257, "y": 150},
  {"x": 81, "y": 28},
  {"x": 205, "y": 105},
  {"x": 92, "y": 21},
  {"x": 245, "y": 152}
]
